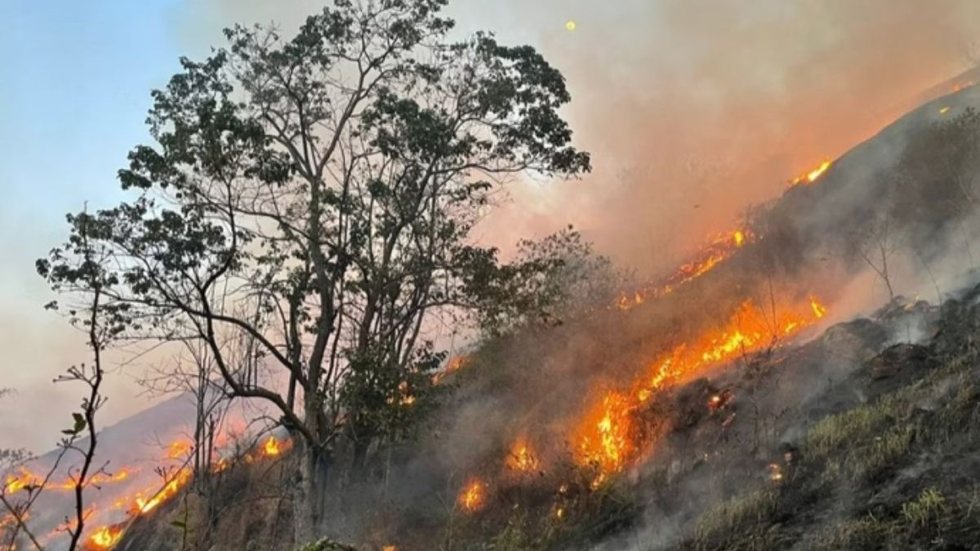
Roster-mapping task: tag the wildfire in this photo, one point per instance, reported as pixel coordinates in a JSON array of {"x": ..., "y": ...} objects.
[
  {"x": 717, "y": 249},
  {"x": 811, "y": 176},
  {"x": 606, "y": 439},
  {"x": 106, "y": 537},
  {"x": 473, "y": 497},
  {"x": 271, "y": 447},
  {"x": 26, "y": 479},
  {"x": 179, "y": 449},
  {"x": 169, "y": 490},
  {"x": 609, "y": 435},
  {"x": 521, "y": 457},
  {"x": 819, "y": 310},
  {"x": 738, "y": 237},
  {"x": 454, "y": 364},
  {"x": 17, "y": 482}
]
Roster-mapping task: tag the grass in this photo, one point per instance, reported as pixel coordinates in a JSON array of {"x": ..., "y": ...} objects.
[
  {"x": 857, "y": 425},
  {"x": 739, "y": 523},
  {"x": 862, "y": 533},
  {"x": 925, "y": 510},
  {"x": 850, "y": 457}
]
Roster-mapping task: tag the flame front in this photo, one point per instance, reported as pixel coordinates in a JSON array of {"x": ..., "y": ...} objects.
[
  {"x": 813, "y": 175},
  {"x": 169, "y": 490},
  {"x": 17, "y": 482},
  {"x": 608, "y": 436},
  {"x": 718, "y": 249},
  {"x": 819, "y": 310}
]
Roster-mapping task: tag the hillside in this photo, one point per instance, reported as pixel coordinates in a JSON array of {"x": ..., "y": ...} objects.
[
  {"x": 839, "y": 431},
  {"x": 755, "y": 398}
]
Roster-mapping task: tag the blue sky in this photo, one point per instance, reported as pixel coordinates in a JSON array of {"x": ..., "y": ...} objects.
[
  {"x": 79, "y": 75},
  {"x": 73, "y": 98}
]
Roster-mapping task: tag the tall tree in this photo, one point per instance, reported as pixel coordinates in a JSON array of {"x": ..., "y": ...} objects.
[{"x": 329, "y": 183}]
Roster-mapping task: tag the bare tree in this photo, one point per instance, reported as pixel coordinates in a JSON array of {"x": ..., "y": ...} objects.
[
  {"x": 877, "y": 245},
  {"x": 101, "y": 324}
]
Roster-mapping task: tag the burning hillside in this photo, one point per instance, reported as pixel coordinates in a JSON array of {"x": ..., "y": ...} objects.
[
  {"x": 561, "y": 438},
  {"x": 151, "y": 474},
  {"x": 354, "y": 364}
]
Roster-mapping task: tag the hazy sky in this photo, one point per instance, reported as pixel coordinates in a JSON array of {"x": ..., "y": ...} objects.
[{"x": 693, "y": 109}]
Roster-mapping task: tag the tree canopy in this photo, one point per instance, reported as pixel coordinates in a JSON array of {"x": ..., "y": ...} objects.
[{"x": 309, "y": 200}]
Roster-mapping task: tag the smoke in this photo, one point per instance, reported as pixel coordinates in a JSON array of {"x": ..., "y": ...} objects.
[{"x": 694, "y": 110}]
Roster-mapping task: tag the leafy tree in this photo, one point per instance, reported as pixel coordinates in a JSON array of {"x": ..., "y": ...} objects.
[
  {"x": 328, "y": 183},
  {"x": 552, "y": 279}
]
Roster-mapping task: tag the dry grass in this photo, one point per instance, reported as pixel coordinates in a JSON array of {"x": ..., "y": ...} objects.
[{"x": 739, "y": 523}]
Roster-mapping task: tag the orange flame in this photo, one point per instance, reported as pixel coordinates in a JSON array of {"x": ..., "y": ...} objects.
[
  {"x": 271, "y": 447},
  {"x": 608, "y": 436},
  {"x": 17, "y": 482},
  {"x": 606, "y": 439},
  {"x": 179, "y": 449},
  {"x": 718, "y": 249},
  {"x": 473, "y": 497},
  {"x": 522, "y": 457},
  {"x": 169, "y": 490},
  {"x": 819, "y": 310},
  {"x": 812, "y": 175},
  {"x": 454, "y": 364},
  {"x": 106, "y": 537}
]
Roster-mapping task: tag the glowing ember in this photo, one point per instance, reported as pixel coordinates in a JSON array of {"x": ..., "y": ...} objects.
[
  {"x": 720, "y": 400},
  {"x": 775, "y": 472},
  {"x": 106, "y": 537},
  {"x": 812, "y": 175},
  {"x": 473, "y": 497},
  {"x": 521, "y": 457}
]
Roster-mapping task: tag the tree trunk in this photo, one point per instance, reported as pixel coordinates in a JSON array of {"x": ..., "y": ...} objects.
[{"x": 309, "y": 492}]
